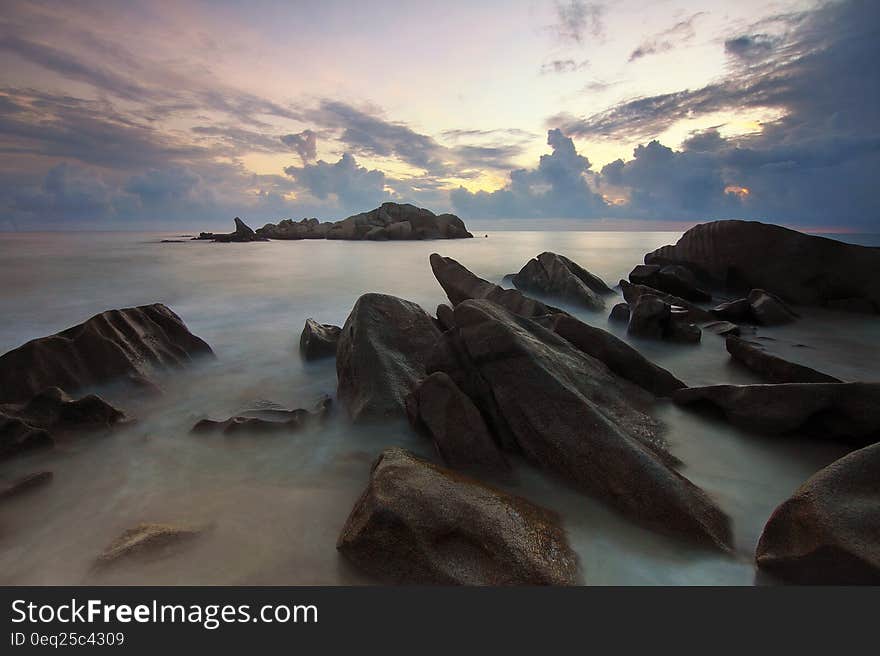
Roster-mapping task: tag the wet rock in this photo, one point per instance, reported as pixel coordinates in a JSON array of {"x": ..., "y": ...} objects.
[
  {"x": 652, "y": 317},
  {"x": 318, "y": 340},
  {"x": 118, "y": 345},
  {"x": 771, "y": 367},
  {"x": 619, "y": 312},
  {"x": 566, "y": 412},
  {"x": 459, "y": 432},
  {"x": 25, "y": 484},
  {"x": 381, "y": 355},
  {"x": 737, "y": 310},
  {"x": 722, "y": 328},
  {"x": 672, "y": 278},
  {"x": 444, "y": 316},
  {"x": 682, "y": 331},
  {"x": 153, "y": 540},
  {"x": 558, "y": 277},
  {"x": 390, "y": 221},
  {"x": 769, "y": 310},
  {"x": 828, "y": 532},
  {"x": 799, "y": 268},
  {"x": 417, "y": 523},
  {"x": 847, "y": 412},
  {"x": 17, "y": 436},
  {"x": 617, "y": 355},
  {"x": 267, "y": 421},
  {"x": 461, "y": 285},
  {"x": 631, "y": 294}
]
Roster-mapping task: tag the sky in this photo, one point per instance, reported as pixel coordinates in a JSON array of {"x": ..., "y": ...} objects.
[{"x": 621, "y": 115}]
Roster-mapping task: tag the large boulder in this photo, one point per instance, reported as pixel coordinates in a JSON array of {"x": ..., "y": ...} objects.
[
  {"x": 672, "y": 278},
  {"x": 768, "y": 309},
  {"x": 461, "y": 285},
  {"x": 558, "y": 277},
  {"x": 454, "y": 423},
  {"x": 318, "y": 340},
  {"x": 619, "y": 313},
  {"x": 848, "y": 412},
  {"x": 51, "y": 415},
  {"x": 772, "y": 367},
  {"x": 653, "y": 317},
  {"x": 118, "y": 345},
  {"x": 617, "y": 355},
  {"x": 800, "y": 268},
  {"x": 566, "y": 412},
  {"x": 828, "y": 532},
  {"x": 417, "y": 523},
  {"x": 390, "y": 221},
  {"x": 381, "y": 355},
  {"x": 632, "y": 293}
]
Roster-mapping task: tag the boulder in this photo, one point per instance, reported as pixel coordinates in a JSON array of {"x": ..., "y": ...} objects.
[
  {"x": 737, "y": 310},
  {"x": 772, "y": 367},
  {"x": 266, "y": 421},
  {"x": 390, "y": 221},
  {"x": 153, "y": 540},
  {"x": 631, "y": 294},
  {"x": 722, "y": 328},
  {"x": 459, "y": 432},
  {"x": 653, "y": 317},
  {"x": 242, "y": 233},
  {"x": 381, "y": 355},
  {"x": 318, "y": 340},
  {"x": 619, "y": 313},
  {"x": 461, "y": 285},
  {"x": 558, "y": 277},
  {"x": 847, "y": 412},
  {"x": 800, "y": 268},
  {"x": 444, "y": 316},
  {"x": 25, "y": 484},
  {"x": 672, "y": 278},
  {"x": 118, "y": 345},
  {"x": 828, "y": 532},
  {"x": 51, "y": 415},
  {"x": 417, "y": 523},
  {"x": 566, "y": 412},
  {"x": 769, "y": 310}
]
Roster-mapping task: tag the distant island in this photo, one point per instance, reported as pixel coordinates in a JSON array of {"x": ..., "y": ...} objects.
[{"x": 390, "y": 221}]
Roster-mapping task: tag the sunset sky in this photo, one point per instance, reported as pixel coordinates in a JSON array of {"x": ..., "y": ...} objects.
[{"x": 626, "y": 114}]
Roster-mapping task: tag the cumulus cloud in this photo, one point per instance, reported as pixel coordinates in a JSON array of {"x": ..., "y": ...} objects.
[
  {"x": 304, "y": 143},
  {"x": 352, "y": 186}
]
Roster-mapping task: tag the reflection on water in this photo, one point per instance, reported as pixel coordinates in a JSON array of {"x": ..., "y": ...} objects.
[{"x": 276, "y": 503}]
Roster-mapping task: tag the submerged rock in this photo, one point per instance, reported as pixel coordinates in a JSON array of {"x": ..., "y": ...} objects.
[
  {"x": 390, "y": 221},
  {"x": 266, "y": 421},
  {"x": 454, "y": 423},
  {"x": 558, "y": 277},
  {"x": 318, "y": 340},
  {"x": 800, "y": 268},
  {"x": 772, "y": 367},
  {"x": 381, "y": 355},
  {"x": 828, "y": 532},
  {"x": 736, "y": 310},
  {"x": 417, "y": 523},
  {"x": 568, "y": 413},
  {"x": 25, "y": 484},
  {"x": 848, "y": 412},
  {"x": 154, "y": 540},
  {"x": 722, "y": 328},
  {"x": 118, "y": 345}
]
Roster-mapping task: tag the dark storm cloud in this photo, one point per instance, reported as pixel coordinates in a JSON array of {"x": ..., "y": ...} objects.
[
  {"x": 668, "y": 39},
  {"x": 751, "y": 46},
  {"x": 576, "y": 18}
]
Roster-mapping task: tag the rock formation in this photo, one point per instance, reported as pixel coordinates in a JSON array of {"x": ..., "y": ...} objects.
[
  {"x": 558, "y": 277},
  {"x": 242, "y": 233},
  {"x": 318, "y": 340},
  {"x": 771, "y": 367},
  {"x": 257, "y": 421},
  {"x": 672, "y": 279},
  {"x": 153, "y": 540}
]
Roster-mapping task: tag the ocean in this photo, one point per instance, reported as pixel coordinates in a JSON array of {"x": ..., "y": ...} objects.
[{"x": 275, "y": 504}]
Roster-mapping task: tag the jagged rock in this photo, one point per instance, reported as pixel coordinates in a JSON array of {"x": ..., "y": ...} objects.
[
  {"x": 617, "y": 355},
  {"x": 461, "y": 285},
  {"x": 828, "y": 532},
  {"x": 266, "y": 421},
  {"x": 444, "y": 316},
  {"x": 566, "y": 412},
  {"x": 49, "y": 415},
  {"x": 769, "y": 310},
  {"x": 242, "y": 233},
  {"x": 772, "y": 367},
  {"x": 381, "y": 355},
  {"x": 631, "y": 294},
  {"x": 848, "y": 412},
  {"x": 417, "y": 523},
  {"x": 392, "y": 221},
  {"x": 318, "y": 340},
  {"x": 460, "y": 434},
  {"x": 722, "y": 328},
  {"x": 672, "y": 278},
  {"x": 128, "y": 344},
  {"x": 25, "y": 484},
  {"x": 799, "y": 268},
  {"x": 154, "y": 540},
  {"x": 558, "y": 277},
  {"x": 620, "y": 312}
]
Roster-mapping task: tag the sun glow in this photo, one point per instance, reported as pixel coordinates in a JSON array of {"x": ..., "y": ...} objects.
[{"x": 736, "y": 190}]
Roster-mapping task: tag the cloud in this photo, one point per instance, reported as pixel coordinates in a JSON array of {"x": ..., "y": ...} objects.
[
  {"x": 576, "y": 18},
  {"x": 305, "y": 144},
  {"x": 564, "y": 66},
  {"x": 668, "y": 39},
  {"x": 353, "y": 187},
  {"x": 751, "y": 46}
]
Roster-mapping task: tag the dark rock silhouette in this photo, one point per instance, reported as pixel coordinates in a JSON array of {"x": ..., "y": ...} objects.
[
  {"x": 769, "y": 310},
  {"x": 267, "y": 422},
  {"x": 558, "y": 277},
  {"x": 802, "y": 269},
  {"x": 631, "y": 294},
  {"x": 445, "y": 317},
  {"x": 828, "y": 531},
  {"x": 620, "y": 313},
  {"x": 242, "y": 233},
  {"x": 318, "y": 340},
  {"x": 25, "y": 484},
  {"x": 672, "y": 278},
  {"x": 772, "y": 367},
  {"x": 653, "y": 317},
  {"x": 417, "y": 523},
  {"x": 118, "y": 345}
]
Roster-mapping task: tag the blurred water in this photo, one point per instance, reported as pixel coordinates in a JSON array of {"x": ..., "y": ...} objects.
[{"x": 276, "y": 504}]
